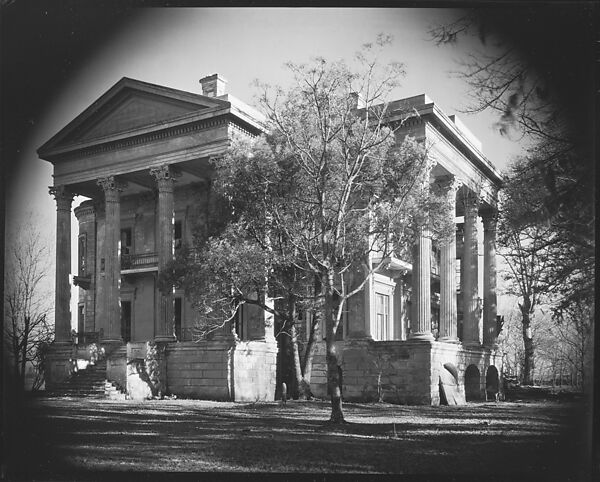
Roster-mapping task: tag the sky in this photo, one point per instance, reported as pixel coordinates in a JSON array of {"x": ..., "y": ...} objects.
[{"x": 176, "y": 47}]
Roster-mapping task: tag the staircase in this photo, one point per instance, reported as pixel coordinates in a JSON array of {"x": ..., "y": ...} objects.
[{"x": 89, "y": 383}]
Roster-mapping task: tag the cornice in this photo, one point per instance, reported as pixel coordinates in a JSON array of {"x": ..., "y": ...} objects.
[
  {"x": 142, "y": 139},
  {"x": 84, "y": 209}
]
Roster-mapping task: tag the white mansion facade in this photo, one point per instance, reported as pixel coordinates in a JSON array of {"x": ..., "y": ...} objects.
[{"x": 141, "y": 153}]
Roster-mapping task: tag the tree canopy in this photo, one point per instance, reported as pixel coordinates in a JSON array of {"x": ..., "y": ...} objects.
[{"x": 314, "y": 200}]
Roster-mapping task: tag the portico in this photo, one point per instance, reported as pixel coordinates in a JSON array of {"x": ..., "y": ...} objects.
[
  {"x": 141, "y": 155},
  {"x": 440, "y": 290}
]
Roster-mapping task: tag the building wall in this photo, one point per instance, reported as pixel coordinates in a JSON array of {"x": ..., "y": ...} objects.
[
  {"x": 222, "y": 370},
  {"x": 200, "y": 370},
  {"x": 403, "y": 372},
  {"x": 254, "y": 371}
]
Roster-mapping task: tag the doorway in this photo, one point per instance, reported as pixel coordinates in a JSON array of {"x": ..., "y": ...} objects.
[{"x": 126, "y": 321}]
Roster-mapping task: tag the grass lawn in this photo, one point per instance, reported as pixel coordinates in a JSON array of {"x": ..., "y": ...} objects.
[{"x": 59, "y": 436}]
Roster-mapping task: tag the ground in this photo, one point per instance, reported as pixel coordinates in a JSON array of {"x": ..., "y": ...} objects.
[{"x": 60, "y": 436}]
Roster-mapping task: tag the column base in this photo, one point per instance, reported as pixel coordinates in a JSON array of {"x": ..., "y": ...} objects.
[
  {"x": 164, "y": 339},
  {"x": 62, "y": 343},
  {"x": 492, "y": 346},
  {"x": 421, "y": 337},
  {"x": 449, "y": 339}
]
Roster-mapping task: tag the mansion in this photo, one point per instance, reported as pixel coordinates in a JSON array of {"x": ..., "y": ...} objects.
[{"x": 421, "y": 332}]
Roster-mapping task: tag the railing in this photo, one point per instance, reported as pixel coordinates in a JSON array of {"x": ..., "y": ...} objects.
[{"x": 138, "y": 261}]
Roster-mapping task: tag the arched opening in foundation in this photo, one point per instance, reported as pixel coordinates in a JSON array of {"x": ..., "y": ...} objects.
[
  {"x": 492, "y": 384},
  {"x": 472, "y": 383},
  {"x": 449, "y": 391}
]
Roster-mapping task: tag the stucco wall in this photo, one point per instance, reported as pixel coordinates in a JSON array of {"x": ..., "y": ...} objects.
[
  {"x": 406, "y": 372},
  {"x": 254, "y": 371},
  {"x": 200, "y": 370}
]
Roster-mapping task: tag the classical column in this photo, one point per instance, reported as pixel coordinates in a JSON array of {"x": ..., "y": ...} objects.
[
  {"x": 110, "y": 260},
  {"x": 470, "y": 269},
  {"x": 448, "y": 309},
  {"x": 489, "y": 277},
  {"x": 164, "y": 177},
  {"x": 420, "y": 322},
  {"x": 62, "y": 311}
]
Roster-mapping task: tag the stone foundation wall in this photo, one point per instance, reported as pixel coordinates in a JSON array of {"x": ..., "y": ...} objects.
[
  {"x": 59, "y": 366},
  {"x": 254, "y": 371},
  {"x": 461, "y": 358},
  {"x": 116, "y": 367},
  {"x": 403, "y": 372},
  {"x": 200, "y": 370},
  {"x": 398, "y": 371}
]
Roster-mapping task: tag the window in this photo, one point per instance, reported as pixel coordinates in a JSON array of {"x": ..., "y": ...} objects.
[
  {"x": 382, "y": 316},
  {"x": 80, "y": 320},
  {"x": 81, "y": 253},
  {"x": 126, "y": 321},
  {"x": 178, "y": 235},
  {"x": 126, "y": 241},
  {"x": 178, "y": 317}
]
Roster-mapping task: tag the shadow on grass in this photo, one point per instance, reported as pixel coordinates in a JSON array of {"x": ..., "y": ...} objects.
[{"x": 72, "y": 435}]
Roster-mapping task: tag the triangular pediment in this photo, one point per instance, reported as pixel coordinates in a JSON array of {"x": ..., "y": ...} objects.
[
  {"x": 131, "y": 110},
  {"x": 128, "y": 107}
]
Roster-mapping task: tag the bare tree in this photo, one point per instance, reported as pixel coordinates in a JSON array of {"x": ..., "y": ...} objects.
[
  {"x": 27, "y": 304},
  {"x": 537, "y": 85}
]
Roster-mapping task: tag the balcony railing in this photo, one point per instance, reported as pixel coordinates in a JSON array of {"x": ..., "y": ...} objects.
[{"x": 143, "y": 261}]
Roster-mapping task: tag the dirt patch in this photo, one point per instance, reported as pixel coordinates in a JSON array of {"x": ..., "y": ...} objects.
[{"x": 63, "y": 436}]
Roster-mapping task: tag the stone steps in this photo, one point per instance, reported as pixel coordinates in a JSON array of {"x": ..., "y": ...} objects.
[{"x": 90, "y": 382}]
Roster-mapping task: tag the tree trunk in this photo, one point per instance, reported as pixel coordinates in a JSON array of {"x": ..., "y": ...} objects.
[
  {"x": 333, "y": 368},
  {"x": 307, "y": 360},
  {"x": 23, "y": 358},
  {"x": 528, "y": 362}
]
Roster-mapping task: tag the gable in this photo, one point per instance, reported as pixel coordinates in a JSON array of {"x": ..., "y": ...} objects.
[
  {"x": 128, "y": 111},
  {"x": 128, "y": 107}
]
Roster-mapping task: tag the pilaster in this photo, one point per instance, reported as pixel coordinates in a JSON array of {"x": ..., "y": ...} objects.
[{"x": 62, "y": 311}]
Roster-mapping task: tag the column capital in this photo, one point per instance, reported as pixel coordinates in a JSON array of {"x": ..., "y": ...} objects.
[
  {"x": 489, "y": 218},
  {"x": 470, "y": 200},
  {"x": 164, "y": 176},
  {"x": 111, "y": 187},
  {"x": 63, "y": 197},
  {"x": 448, "y": 184}
]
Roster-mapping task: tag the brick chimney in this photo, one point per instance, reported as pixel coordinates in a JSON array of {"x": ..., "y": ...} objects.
[
  {"x": 357, "y": 101},
  {"x": 213, "y": 85}
]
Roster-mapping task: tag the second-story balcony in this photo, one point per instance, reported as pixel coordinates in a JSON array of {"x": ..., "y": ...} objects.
[{"x": 139, "y": 263}]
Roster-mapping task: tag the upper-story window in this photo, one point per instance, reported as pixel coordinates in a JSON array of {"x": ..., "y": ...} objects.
[{"x": 126, "y": 241}]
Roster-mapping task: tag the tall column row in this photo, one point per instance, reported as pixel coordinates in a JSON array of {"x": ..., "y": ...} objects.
[
  {"x": 108, "y": 306},
  {"x": 421, "y": 296}
]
